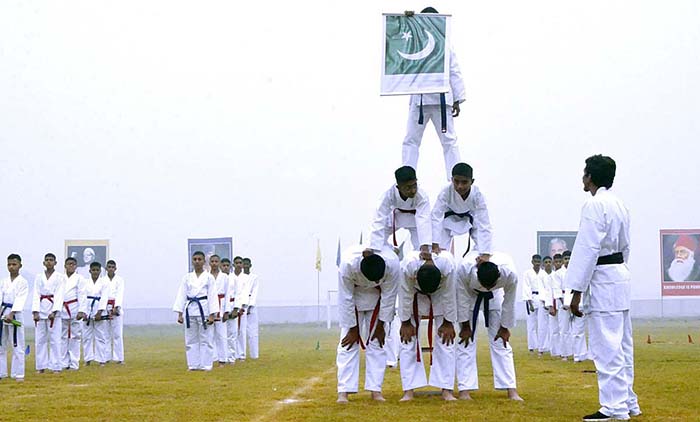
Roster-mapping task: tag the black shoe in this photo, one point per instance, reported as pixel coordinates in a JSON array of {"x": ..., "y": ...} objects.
[{"x": 597, "y": 416}]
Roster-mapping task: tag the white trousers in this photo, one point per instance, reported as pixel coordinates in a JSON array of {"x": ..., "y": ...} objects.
[
  {"x": 613, "y": 354},
  {"x": 70, "y": 347},
  {"x": 501, "y": 360},
  {"x": 543, "y": 329},
  {"x": 220, "y": 341},
  {"x": 199, "y": 344},
  {"x": 554, "y": 340},
  {"x": 115, "y": 338},
  {"x": 393, "y": 341},
  {"x": 564, "y": 321},
  {"x": 95, "y": 347},
  {"x": 7, "y": 343},
  {"x": 442, "y": 370},
  {"x": 578, "y": 338},
  {"x": 241, "y": 337},
  {"x": 348, "y": 361},
  {"x": 232, "y": 339},
  {"x": 414, "y": 136},
  {"x": 252, "y": 333},
  {"x": 47, "y": 344},
  {"x": 531, "y": 320}
]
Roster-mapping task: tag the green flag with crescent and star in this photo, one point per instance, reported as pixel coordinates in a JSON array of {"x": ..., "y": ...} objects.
[{"x": 416, "y": 54}]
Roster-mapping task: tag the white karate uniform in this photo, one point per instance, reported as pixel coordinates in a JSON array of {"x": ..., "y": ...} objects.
[
  {"x": 501, "y": 314},
  {"x": 530, "y": 294},
  {"x": 220, "y": 333},
  {"x": 199, "y": 339},
  {"x": 390, "y": 215},
  {"x": 431, "y": 111},
  {"x": 115, "y": 325},
  {"x": 563, "y": 299},
  {"x": 444, "y": 229},
  {"x": 357, "y": 299},
  {"x": 544, "y": 300},
  {"x": 74, "y": 301},
  {"x": 553, "y": 323},
  {"x": 95, "y": 346},
  {"x": 444, "y": 308},
  {"x": 14, "y": 295},
  {"x": 603, "y": 231},
  {"x": 238, "y": 298},
  {"x": 393, "y": 338},
  {"x": 48, "y": 298},
  {"x": 252, "y": 316},
  {"x": 241, "y": 302},
  {"x": 578, "y": 331}
]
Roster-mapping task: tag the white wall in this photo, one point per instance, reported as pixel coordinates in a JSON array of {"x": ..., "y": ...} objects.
[{"x": 150, "y": 122}]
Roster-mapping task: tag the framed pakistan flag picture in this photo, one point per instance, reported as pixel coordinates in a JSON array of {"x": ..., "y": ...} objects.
[{"x": 415, "y": 54}]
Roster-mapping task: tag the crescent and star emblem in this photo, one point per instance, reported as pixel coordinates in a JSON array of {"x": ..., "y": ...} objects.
[{"x": 425, "y": 52}]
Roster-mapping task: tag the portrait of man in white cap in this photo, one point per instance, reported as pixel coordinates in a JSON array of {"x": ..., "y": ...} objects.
[{"x": 684, "y": 266}]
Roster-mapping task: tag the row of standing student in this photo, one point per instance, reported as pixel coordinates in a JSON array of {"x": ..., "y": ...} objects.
[
  {"x": 551, "y": 327},
  {"x": 219, "y": 310},
  {"x": 68, "y": 311},
  {"x": 430, "y": 284}
]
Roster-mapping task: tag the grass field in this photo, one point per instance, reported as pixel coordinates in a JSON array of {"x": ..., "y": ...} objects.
[{"x": 293, "y": 381}]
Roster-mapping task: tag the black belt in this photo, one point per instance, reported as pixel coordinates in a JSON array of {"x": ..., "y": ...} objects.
[
  {"x": 535, "y": 292},
  {"x": 467, "y": 214},
  {"x": 443, "y": 113},
  {"x": 615, "y": 258},
  {"x": 475, "y": 315}
]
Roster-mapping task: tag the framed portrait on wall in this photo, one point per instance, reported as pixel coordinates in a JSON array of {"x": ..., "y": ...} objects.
[
  {"x": 86, "y": 252},
  {"x": 680, "y": 270},
  {"x": 550, "y": 243},
  {"x": 221, "y": 246}
]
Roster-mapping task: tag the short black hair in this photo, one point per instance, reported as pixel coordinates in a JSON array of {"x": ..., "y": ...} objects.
[
  {"x": 95, "y": 264},
  {"x": 488, "y": 274},
  {"x": 198, "y": 253},
  {"x": 225, "y": 261},
  {"x": 547, "y": 258},
  {"x": 537, "y": 256},
  {"x": 601, "y": 168},
  {"x": 429, "y": 10},
  {"x": 112, "y": 262},
  {"x": 404, "y": 174},
  {"x": 14, "y": 256},
  {"x": 428, "y": 277},
  {"x": 214, "y": 256},
  {"x": 70, "y": 259},
  {"x": 238, "y": 257},
  {"x": 373, "y": 267},
  {"x": 565, "y": 254},
  {"x": 50, "y": 255},
  {"x": 557, "y": 256},
  {"x": 247, "y": 259},
  {"x": 463, "y": 169}
]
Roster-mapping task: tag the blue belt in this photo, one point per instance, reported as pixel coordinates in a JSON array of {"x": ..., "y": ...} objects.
[
  {"x": 443, "y": 112},
  {"x": 201, "y": 309},
  {"x": 475, "y": 315},
  {"x": 92, "y": 305},
  {"x": 14, "y": 327}
]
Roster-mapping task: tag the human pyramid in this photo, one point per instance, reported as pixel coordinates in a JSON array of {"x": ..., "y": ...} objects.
[
  {"x": 68, "y": 310},
  {"x": 430, "y": 284}
]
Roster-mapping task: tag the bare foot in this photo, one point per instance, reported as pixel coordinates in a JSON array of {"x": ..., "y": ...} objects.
[
  {"x": 377, "y": 395},
  {"x": 513, "y": 395},
  {"x": 407, "y": 395},
  {"x": 342, "y": 398},
  {"x": 447, "y": 395},
  {"x": 464, "y": 395}
]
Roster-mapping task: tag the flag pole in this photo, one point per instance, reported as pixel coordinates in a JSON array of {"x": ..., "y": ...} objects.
[{"x": 318, "y": 295}]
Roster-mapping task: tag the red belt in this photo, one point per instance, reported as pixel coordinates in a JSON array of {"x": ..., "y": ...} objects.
[
  {"x": 393, "y": 221},
  {"x": 220, "y": 297},
  {"x": 50, "y": 298},
  {"x": 417, "y": 318},
  {"x": 65, "y": 305},
  {"x": 372, "y": 322}
]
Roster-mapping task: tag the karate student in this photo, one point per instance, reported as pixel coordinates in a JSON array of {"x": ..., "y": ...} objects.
[
  {"x": 530, "y": 295},
  {"x": 115, "y": 322},
  {"x": 251, "y": 310},
  {"x": 441, "y": 108},
  {"x": 220, "y": 336},
  {"x": 196, "y": 298},
  {"x": 236, "y": 307},
  {"x": 460, "y": 208},
  {"x": 46, "y": 305},
  {"x": 562, "y": 300},
  {"x": 366, "y": 297},
  {"x": 428, "y": 290},
  {"x": 14, "y": 291},
  {"x": 490, "y": 286},
  {"x": 552, "y": 304},
  {"x": 72, "y": 312},
  {"x": 599, "y": 263},
  {"x": 545, "y": 299},
  {"x": 404, "y": 205},
  {"x": 95, "y": 347}
]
